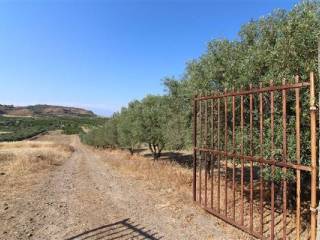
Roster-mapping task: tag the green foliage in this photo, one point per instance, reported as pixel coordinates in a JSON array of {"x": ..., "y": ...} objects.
[
  {"x": 103, "y": 136},
  {"x": 130, "y": 130},
  {"x": 279, "y": 45},
  {"x": 178, "y": 131},
  {"x": 154, "y": 117},
  {"x": 71, "y": 128}
]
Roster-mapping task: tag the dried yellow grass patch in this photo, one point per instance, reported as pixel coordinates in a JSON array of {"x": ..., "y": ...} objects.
[
  {"x": 163, "y": 172},
  {"x": 28, "y": 156},
  {"x": 27, "y": 144}
]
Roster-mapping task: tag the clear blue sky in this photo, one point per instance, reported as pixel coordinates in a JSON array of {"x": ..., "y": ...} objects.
[{"x": 102, "y": 54}]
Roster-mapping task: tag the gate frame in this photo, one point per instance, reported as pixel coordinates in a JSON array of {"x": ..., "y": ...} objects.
[{"x": 283, "y": 164}]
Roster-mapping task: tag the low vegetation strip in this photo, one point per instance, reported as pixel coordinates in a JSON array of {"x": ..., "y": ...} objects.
[{"x": 20, "y": 128}]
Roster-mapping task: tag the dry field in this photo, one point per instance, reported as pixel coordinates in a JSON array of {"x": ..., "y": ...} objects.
[{"x": 19, "y": 158}]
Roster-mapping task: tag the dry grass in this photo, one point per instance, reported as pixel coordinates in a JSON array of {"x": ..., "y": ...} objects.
[
  {"x": 22, "y": 157},
  {"x": 161, "y": 173}
]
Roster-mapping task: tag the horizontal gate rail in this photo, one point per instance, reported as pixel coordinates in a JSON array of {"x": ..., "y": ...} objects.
[
  {"x": 257, "y": 159},
  {"x": 247, "y": 158},
  {"x": 257, "y": 90}
]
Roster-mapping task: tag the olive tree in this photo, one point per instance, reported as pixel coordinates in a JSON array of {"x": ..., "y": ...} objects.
[
  {"x": 129, "y": 126},
  {"x": 154, "y": 116}
]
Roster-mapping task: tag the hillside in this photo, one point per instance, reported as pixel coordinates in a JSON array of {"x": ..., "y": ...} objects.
[{"x": 44, "y": 110}]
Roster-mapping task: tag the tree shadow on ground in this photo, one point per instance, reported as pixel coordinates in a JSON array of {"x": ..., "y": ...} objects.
[
  {"x": 183, "y": 159},
  {"x": 139, "y": 150},
  {"x": 124, "y": 229}
]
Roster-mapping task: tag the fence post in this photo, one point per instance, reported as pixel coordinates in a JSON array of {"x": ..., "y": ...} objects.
[{"x": 313, "y": 116}]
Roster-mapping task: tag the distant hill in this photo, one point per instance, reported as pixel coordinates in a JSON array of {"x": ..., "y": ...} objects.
[{"x": 44, "y": 110}]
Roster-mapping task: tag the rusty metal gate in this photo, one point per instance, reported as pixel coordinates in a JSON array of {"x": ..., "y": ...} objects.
[{"x": 253, "y": 150}]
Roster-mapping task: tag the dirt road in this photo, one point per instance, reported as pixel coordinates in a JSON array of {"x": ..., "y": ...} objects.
[{"x": 85, "y": 198}]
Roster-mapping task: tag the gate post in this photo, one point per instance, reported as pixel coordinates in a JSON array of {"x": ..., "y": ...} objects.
[{"x": 313, "y": 116}]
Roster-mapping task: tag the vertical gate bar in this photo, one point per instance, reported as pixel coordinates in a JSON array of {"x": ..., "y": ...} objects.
[
  {"x": 212, "y": 145},
  {"x": 298, "y": 156},
  {"x": 261, "y": 165},
  {"x": 225, "y": 149},
  {"x": 200, "y": 121},
  {"x": 313, "y": 130},
  {"x": 200, "y": 153},
  {"x": 194, "y": 182},
  {"x": 251, "y": 162},
  {"x": 219, "y": 157},
  {"x": 284, "y": 150},
  {"x": 205, "y": 178},
  {"x": 272, "y": 166},
  {"x": 234, "y": 162},
  {"x": 212, "y": 122},
  {"x": 242, "y": 162},
  {"x": 206, "y": 154}
]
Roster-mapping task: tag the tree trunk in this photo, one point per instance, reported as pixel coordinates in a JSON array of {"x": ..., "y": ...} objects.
[
  {"x": 131, "y": 150},
  {"x": 152, "y": 150},
  {"x": 155, "y": 150}
]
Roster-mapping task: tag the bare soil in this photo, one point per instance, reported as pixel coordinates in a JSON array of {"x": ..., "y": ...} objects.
[{"x": 88, "y": 196}]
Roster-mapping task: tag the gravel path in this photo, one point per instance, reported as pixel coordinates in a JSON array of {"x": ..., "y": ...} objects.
[{"x": 84, "y": 198}]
